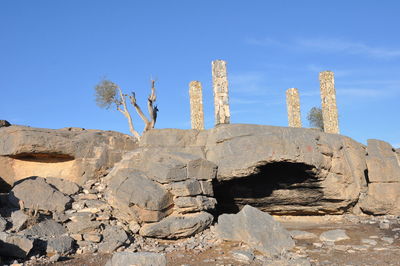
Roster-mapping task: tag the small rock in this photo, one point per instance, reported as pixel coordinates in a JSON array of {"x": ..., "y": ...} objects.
[
  {"x": 388, "y": 240},
  {"x": 54, "y": 258},
  {"x": 134, "y": 227},
  {"x": 300, "y": 235},
  {"x": 317, "y": 245},
  {"x": 243, "y": 256},
  {"x": 139, "y": 259},
  {"x": 384, "y": 225},
  {"x": 113, "y": 238},
  {"x": 334, "y": 235},
  {"x": 60, "y": 245},
  {"x": 369, "y": 242},
  {"x": 92, "y": 237}
]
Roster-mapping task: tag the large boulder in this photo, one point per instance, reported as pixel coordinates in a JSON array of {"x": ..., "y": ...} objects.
[
  {"x": 257, "y": 229},
  {"x": 382, "y": 162},
  {"x": 383, "y": 195},
  {"x": 35, "y": 193},
  {"x": 278, "y": 169},
  {"x": 74, "y": 154},
  {"x": 137, "y": 196}
]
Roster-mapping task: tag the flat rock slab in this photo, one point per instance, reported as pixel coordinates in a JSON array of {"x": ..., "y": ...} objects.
[
  {"x": 178, "y": 226},
  {"x": 257, "y": 229},
  {"x": 138, "y": 259},
  {"x": 36, "y": 193},
  {"x": 334, "y": 235}
]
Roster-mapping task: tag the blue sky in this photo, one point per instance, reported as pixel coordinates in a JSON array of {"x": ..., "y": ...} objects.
[{"x": 52, "y": 53}]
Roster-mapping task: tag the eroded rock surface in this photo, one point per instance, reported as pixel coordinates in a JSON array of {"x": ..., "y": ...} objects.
[
  {"x": 383, "y": 196},
  {"x": 74, "y": 154},
  {"x": 257, "y": 229},
  {"x": 166, "y": 192},
  {"x": 280, "y": 170}
]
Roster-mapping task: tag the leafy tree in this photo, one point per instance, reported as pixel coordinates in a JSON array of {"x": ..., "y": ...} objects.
[
  {"x": 110, "y": 94},
  {"x": 315, "y": 118}
]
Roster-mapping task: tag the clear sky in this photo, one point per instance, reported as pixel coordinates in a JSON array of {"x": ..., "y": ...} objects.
[{"x": 52, "y": 53}]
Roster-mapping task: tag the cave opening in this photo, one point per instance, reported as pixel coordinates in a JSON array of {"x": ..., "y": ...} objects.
[{"x": 277, "y": 188}]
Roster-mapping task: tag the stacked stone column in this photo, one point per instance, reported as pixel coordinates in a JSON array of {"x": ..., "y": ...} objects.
[
  {"x": 293, "y": 107},
  {"x": 221, "y": 98},
  {"x": 196, "y": 105},
  {"x": 328, "y": 99}
]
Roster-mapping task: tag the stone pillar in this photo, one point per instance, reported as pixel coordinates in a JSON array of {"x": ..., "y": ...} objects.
[
  {"x": 221, "y": 98},
  {"x": 293, "y": 107},
  {"x": 196, "y": 105},
  {"x": 328, "y": 99}
]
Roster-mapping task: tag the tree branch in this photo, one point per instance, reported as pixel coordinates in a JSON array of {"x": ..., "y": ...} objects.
[
  {"x": 138, "y": 109},
  {"x": 126, "y": 113}
]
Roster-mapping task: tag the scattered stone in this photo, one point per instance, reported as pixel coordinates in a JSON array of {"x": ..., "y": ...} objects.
[
  {"x": 334, "y": 235},
  {"x": 15, "y": 246},
  {"x": 139, "y": 259},
  {"x": 257, "y": 229},
  {"x": 300, "y": 235},
  {"x": 113, "y": 238}
]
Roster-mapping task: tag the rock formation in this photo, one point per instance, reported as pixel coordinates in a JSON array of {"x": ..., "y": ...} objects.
[{"x": 74, "y": 154}]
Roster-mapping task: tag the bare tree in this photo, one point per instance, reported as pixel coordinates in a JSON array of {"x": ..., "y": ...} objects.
[
  {"x": 110, "y": 94},
  {"x": 315, "y": 118}
]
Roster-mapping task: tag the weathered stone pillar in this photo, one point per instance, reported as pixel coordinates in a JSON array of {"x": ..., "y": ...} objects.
[
  {"x": 196, "y": 105},
  {"x": 293, "y": 107},
  {"x": 221, "y": 97},
  {"x": 328, "y": 98}
]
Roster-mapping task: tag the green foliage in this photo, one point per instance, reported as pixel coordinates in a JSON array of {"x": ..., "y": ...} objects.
[
  {"x": 106, "y": 94},
  {"x": 315, "y": 119}
]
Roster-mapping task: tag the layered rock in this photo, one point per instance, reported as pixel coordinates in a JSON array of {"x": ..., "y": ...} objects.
[
  {"x": 383, "y": 196},
  {"x": 74, "y": 154},
  {"x": 166, "y": 192},
  {"x": 278, "y": 169}
]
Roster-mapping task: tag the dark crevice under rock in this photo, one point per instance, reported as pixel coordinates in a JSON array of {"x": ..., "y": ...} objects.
[
  {"x": 277, "y": 188},
  {"x": 43, "y": 157}
]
